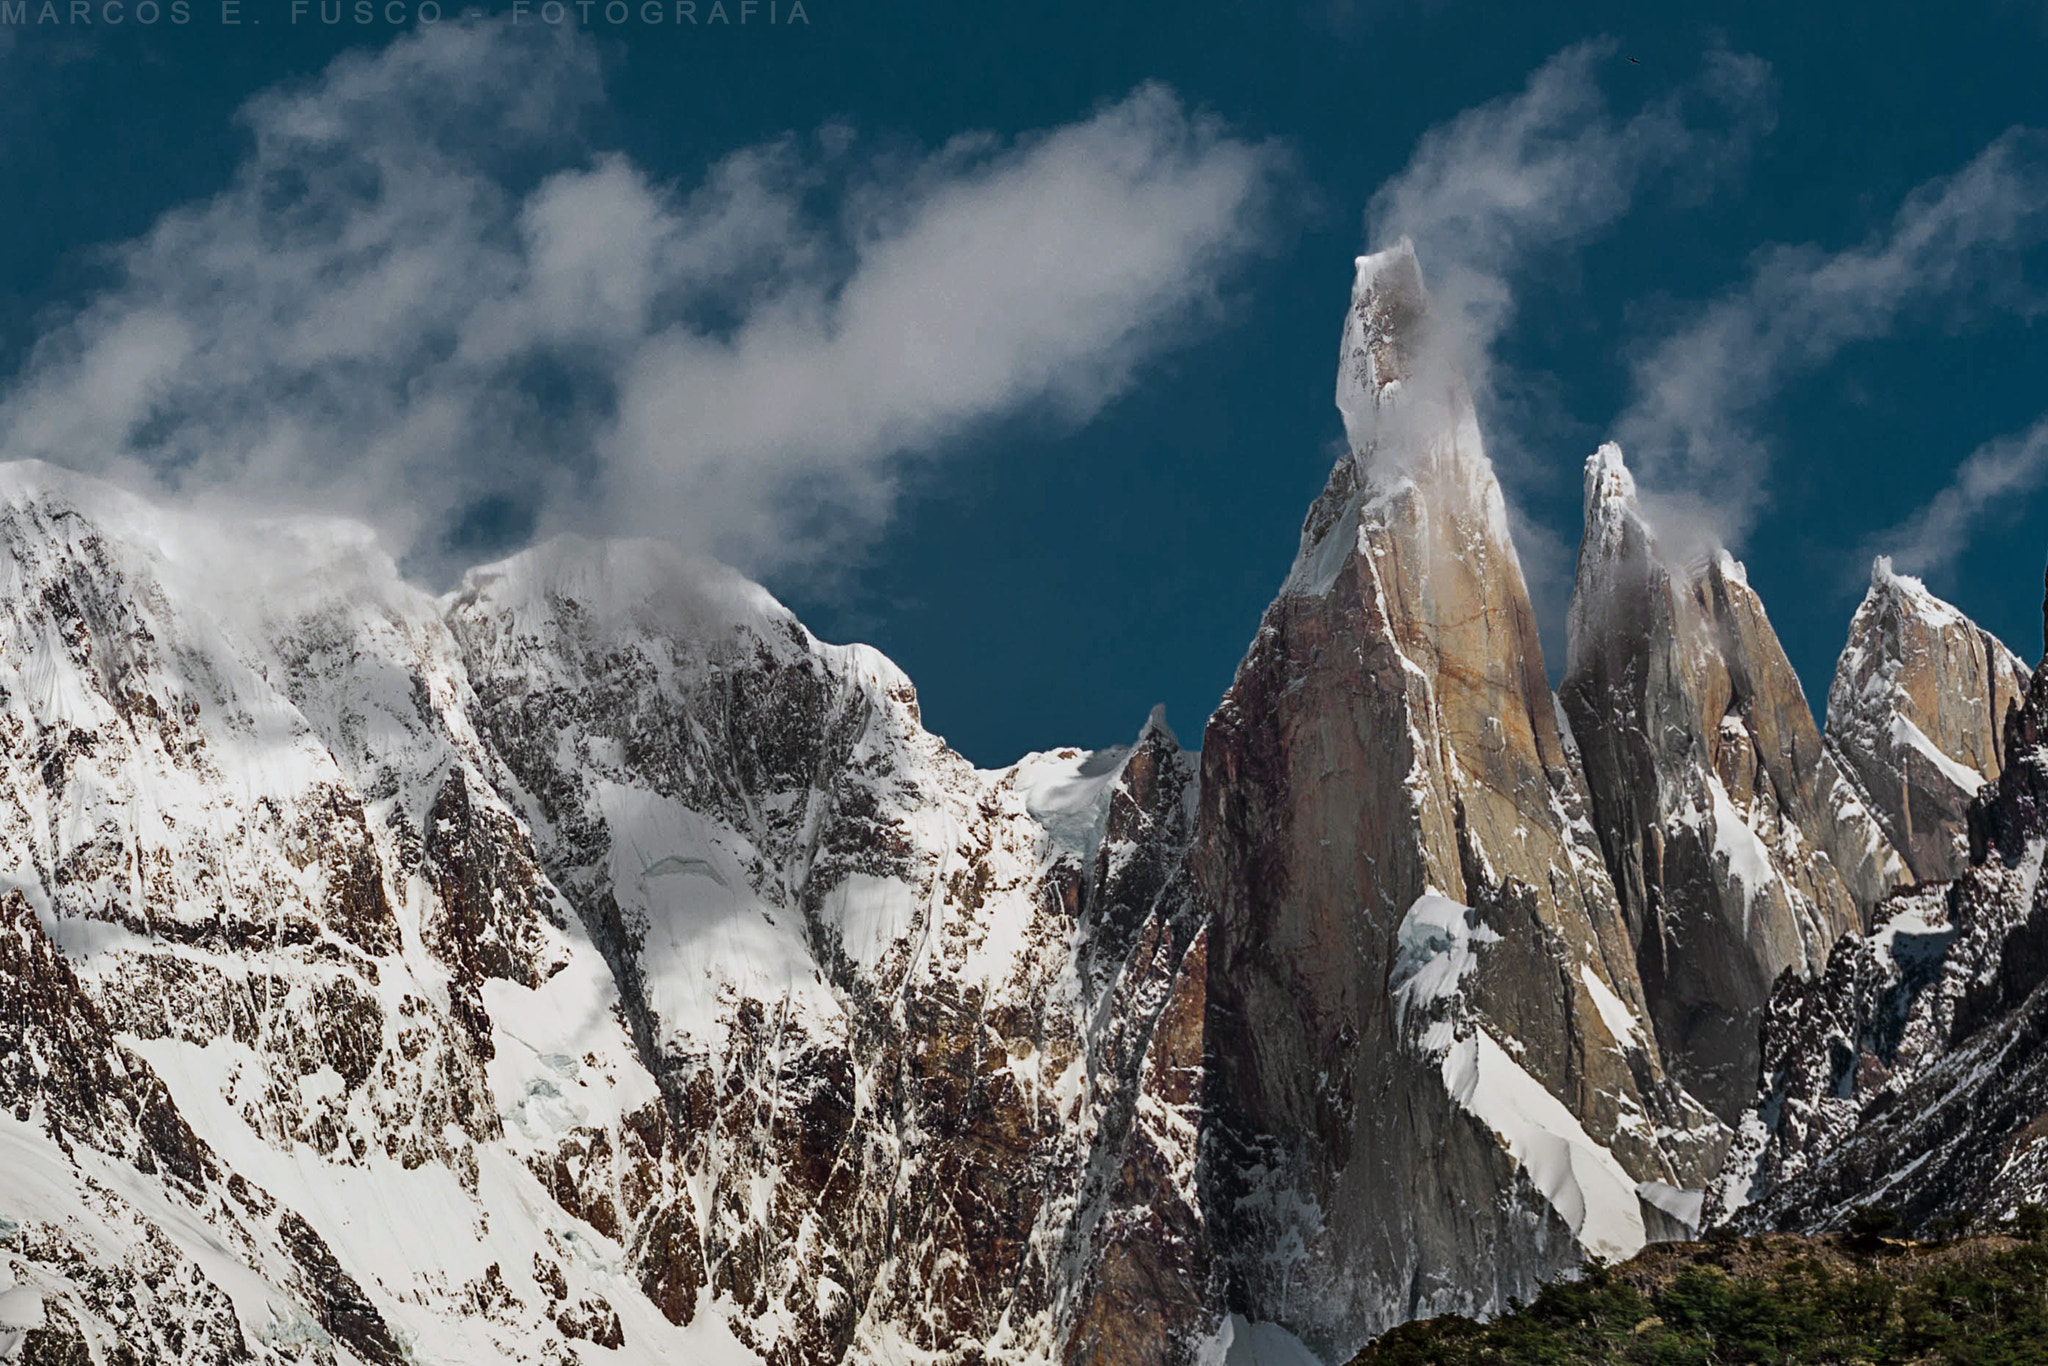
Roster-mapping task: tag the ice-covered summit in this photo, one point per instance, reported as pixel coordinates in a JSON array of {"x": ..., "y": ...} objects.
[
  {"x": 1406, "y": 407},
  {"x": 1414, "y": 454},
  {"x": 1608, "y": 480}
]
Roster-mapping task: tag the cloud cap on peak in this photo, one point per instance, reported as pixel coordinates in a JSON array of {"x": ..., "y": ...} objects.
[{"x": 1492, "y": 194}]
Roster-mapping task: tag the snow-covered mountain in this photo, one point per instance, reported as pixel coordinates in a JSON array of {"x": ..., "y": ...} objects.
[
  {"x": 590, "y": 958},
  {"x": 591, "y": 965},
  {"x": 1916, "y": 717}
]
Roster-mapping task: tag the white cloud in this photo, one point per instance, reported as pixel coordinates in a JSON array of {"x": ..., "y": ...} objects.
[
  {"x": 1992, "y": 482},
  {"x": 1490, "y": 191},
  {"x": 1692, "y": 428},
  {"x": 1042, "y": 272},
  {"x": 1497, "y": 189},
  {"x": 423, "y": 299}
]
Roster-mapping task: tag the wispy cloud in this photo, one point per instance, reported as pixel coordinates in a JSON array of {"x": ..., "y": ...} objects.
[
  {"x": 425, "y": 301},
  {"x": 1990, "y": 484},
  {"x": 1500, "y": 188},
  {"x": 1694, "y": 426},
  {"x": 1489, "y": 192}
]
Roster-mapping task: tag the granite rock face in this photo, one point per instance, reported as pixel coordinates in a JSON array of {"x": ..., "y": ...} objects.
[
  {"x": 1914, "y": 1071},
  {"x": 1916, "y": 715},
  {"x": 1431, "y": 1082},
  {"x": 1739, "y": 849}
]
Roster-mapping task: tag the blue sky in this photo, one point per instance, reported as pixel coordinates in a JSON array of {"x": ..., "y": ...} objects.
[{"x": 480, "y": 284}]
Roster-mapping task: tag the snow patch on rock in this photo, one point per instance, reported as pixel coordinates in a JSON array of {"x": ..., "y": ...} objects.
[{"x": 1589, "y": 1189}]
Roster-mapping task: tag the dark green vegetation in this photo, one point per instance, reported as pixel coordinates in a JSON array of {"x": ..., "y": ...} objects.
[{"x": 1844, "y": 1298}]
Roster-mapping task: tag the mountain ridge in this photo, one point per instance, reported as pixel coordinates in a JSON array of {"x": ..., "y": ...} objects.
[{"x": 588, "y": 963}]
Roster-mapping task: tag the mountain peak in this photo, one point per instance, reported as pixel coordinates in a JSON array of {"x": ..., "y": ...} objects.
[
  {"x": 1608, "y": 479},
  {"x": 1415, "y": 454},
  {"x": 649, "y": 583},
  {"x": 1887, "y": 584},
  {"x": 1617, "y": 551},
  {"x": 1610, "y": 500},
  {"x": 1915, "y": 715},
  {"x": 1156, "y": 724},
  {"x": 1382, "y": 336},
  {"x": 1711, "y": 791}
]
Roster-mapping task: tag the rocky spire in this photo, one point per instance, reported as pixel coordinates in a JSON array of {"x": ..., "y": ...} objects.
[
  {"x": 1915, "y": 717},
  {"x": 1737, "y": 849},
  {"x": 1913, "y": 1066},
  {"x": 1430, "y": 1085}
]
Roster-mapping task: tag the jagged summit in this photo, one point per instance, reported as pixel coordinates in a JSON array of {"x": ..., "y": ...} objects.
[
  {"x": 1737, "y": 849},
  {"x": 1404, "y": 400},
  {"x": 1916, "y": 714},
  {"x": 1913, "y": 1067},
  {"x": 1608, "y": 480},
  {"x": 1419, "y": 981},
  {"x": 1411, "y": 433},
  {"x": 1887, "y": 584},
  {"x": 1618, "y": 526},
  {"x": 1617, "y": 539}
]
